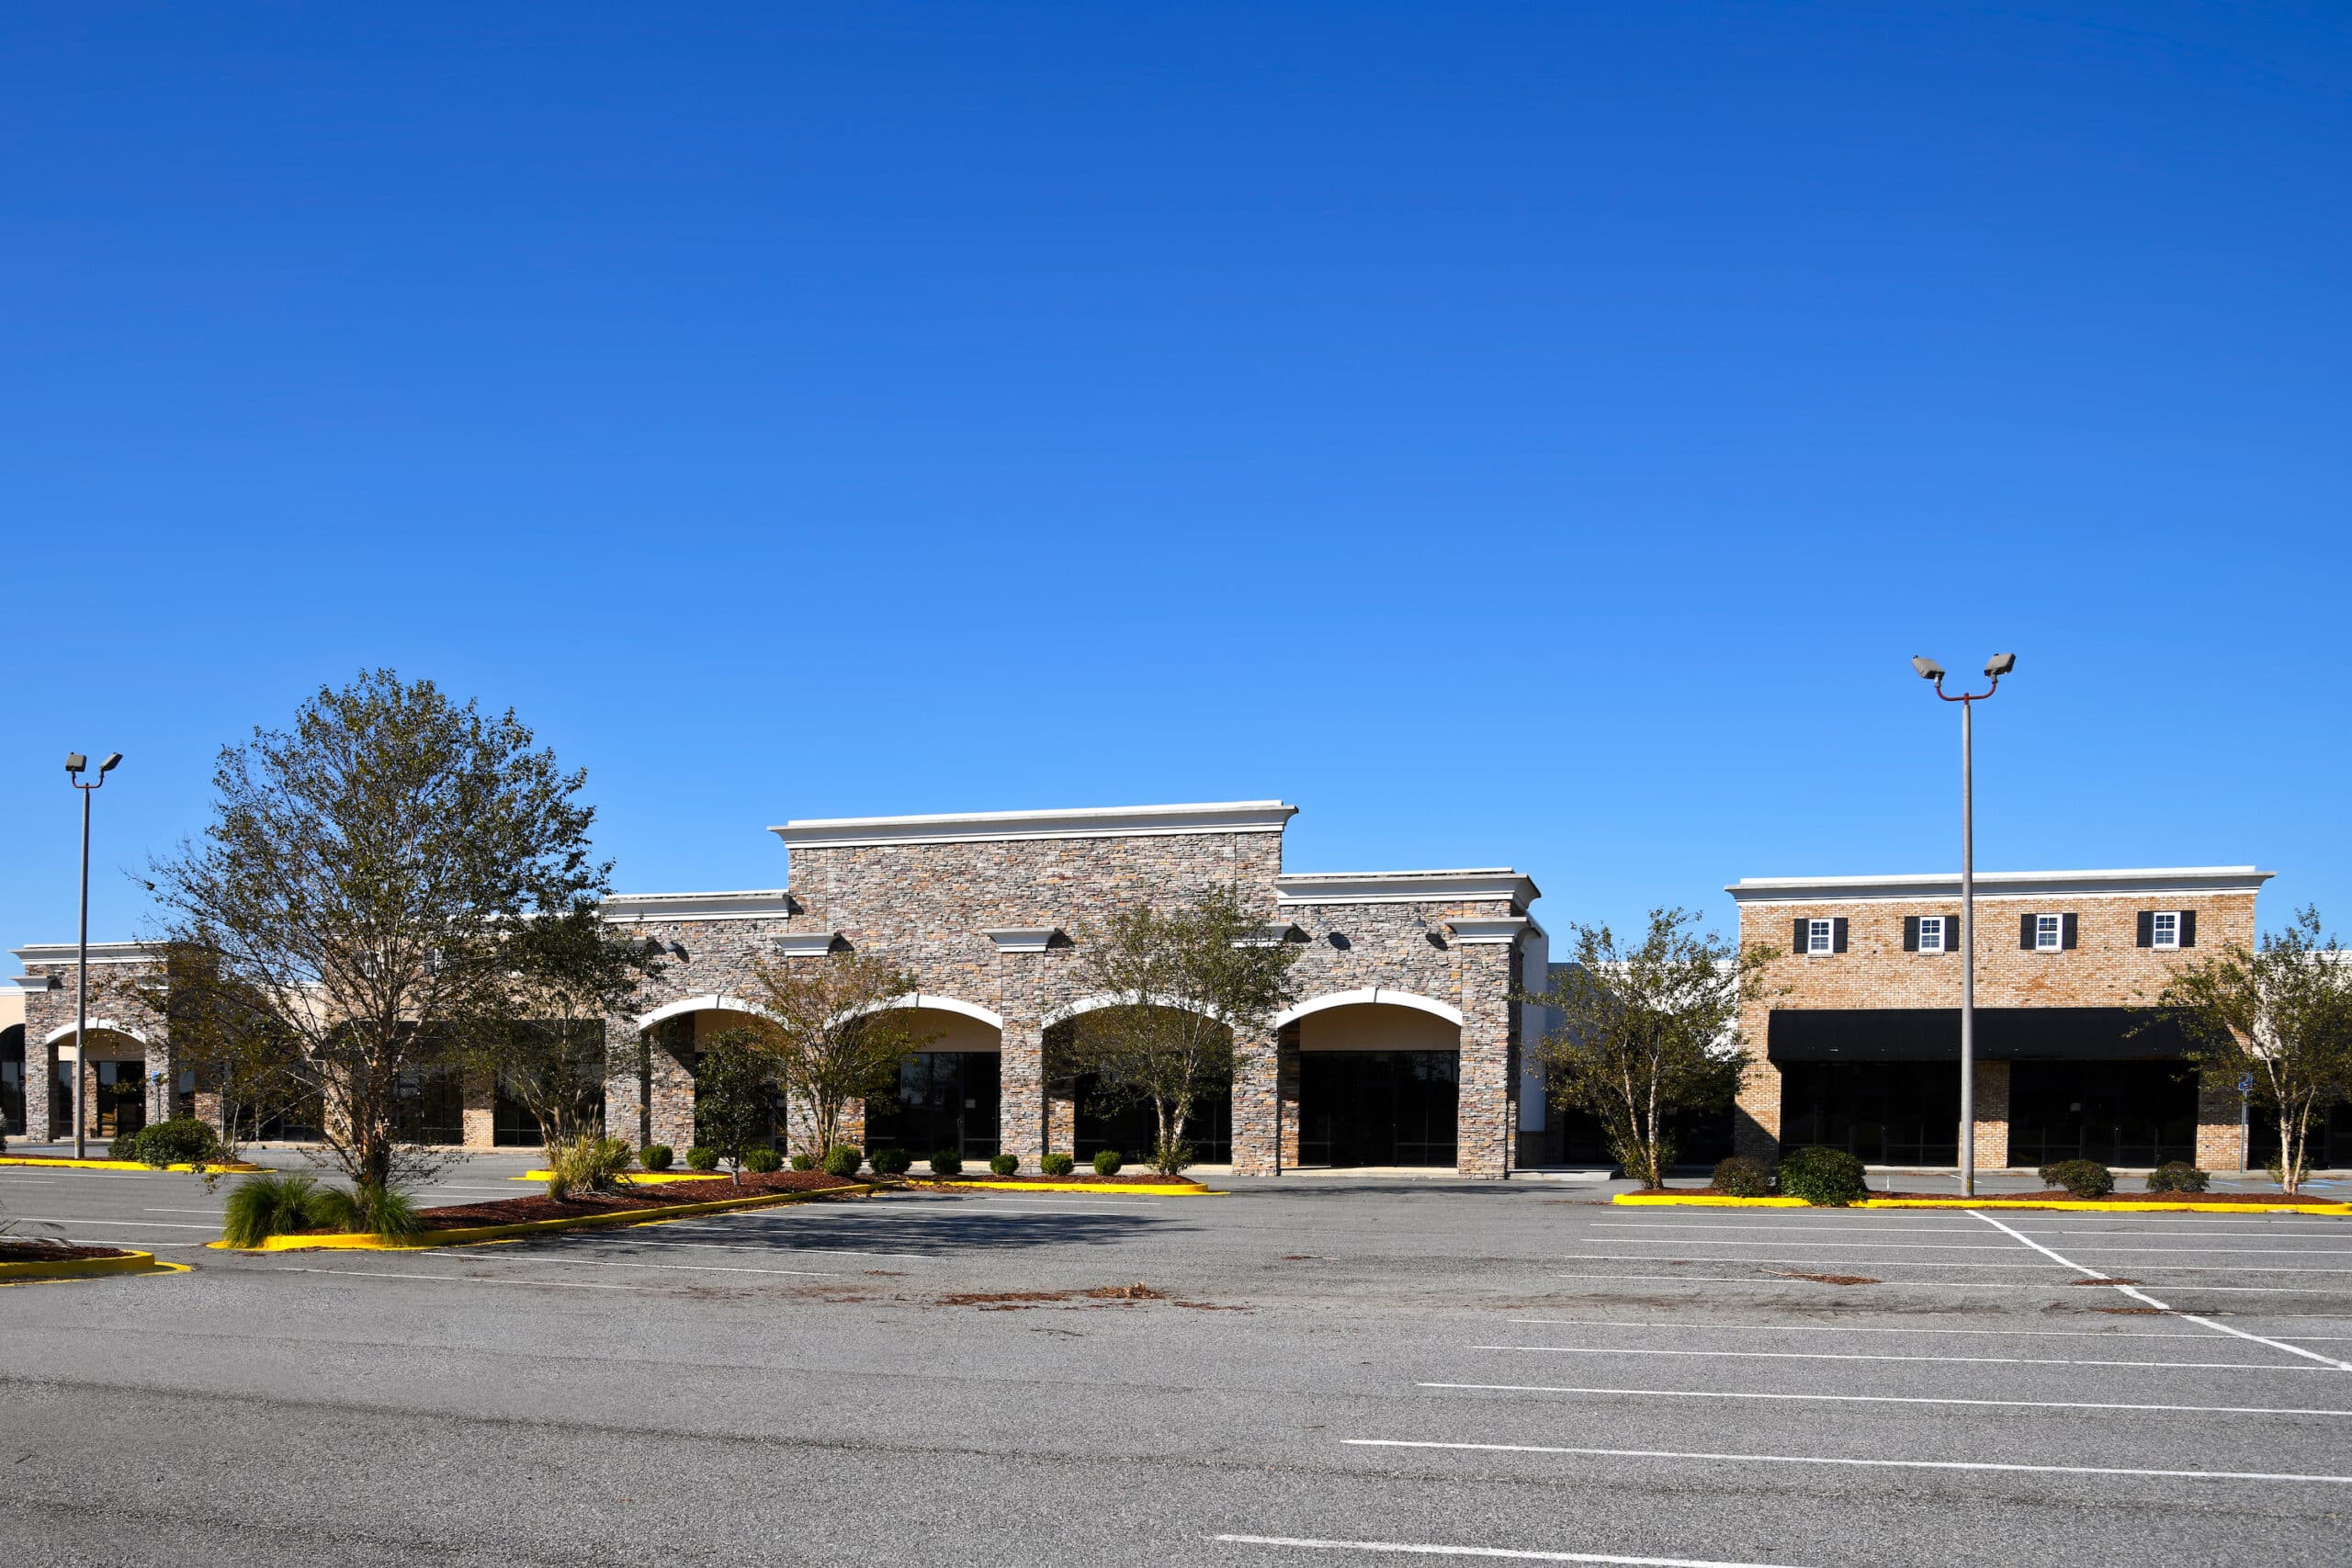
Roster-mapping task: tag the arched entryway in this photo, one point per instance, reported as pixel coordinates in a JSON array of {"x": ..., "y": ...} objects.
[
  {"x": 1378, "y": 1079},
  {"x": 949, "y": 1095},
  {"x": 118, "y": 1096},
  {"x": 672, "y": 1039},
  {"x": 1089, "y": 1116}
]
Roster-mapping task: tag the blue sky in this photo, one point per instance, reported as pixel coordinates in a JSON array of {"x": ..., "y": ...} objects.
[{"x": 1523, "y": 434}]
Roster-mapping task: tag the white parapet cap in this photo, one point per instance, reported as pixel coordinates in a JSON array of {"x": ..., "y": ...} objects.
[
  {"x": 767, "y": 904},
  {"x": 2142, "y": 882},
  {"x": 1482, "y": 884},
  {"x": 1021, "y": 939},
  {"x": 67, "y": 953},
  {"x": 985, "y": 827}
]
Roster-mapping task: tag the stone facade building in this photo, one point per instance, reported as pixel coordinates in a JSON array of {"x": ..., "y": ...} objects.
[
  {"x": 1858, "y": 1034},
  {"x": 1403, "y": 1048}
]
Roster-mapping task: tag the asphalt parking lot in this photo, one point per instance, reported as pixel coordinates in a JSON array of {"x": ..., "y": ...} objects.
[{"x": 1316, "y": 1372}]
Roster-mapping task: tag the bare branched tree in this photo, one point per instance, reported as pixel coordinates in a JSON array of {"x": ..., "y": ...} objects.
[
  {"x": 1186, "y": 980},
  {"x": 837, "y": 1030},
  {"x": 360, "y": 888},
  {"x": 2277, "y": 1021},
  {"x": 1648, "y": 1030}
]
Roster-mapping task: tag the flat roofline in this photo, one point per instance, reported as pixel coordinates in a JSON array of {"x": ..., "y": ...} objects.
[
  {"x": 1480, "y": 884},
  {"x": 1073, "y": 822},
  {"x": 2003, "y": 883}
]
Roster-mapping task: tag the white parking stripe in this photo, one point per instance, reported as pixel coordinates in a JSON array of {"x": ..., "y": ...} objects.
[
  {"x": 1308, "y": 1544},
  {"x": 2139, "y": 1295},
  {"x": 1865, "y": 1463},
  {"x": 1866, "y": 1356},
  {"x": 1863, "y": 1328},
  {"x": 1888, "y": 1399}
]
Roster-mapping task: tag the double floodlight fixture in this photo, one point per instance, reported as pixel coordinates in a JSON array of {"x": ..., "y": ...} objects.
[
  {"x": 2000, "y": 664},
  {"x": 75, "y": 763},
  {"x": 1927, "y": 668},
  {"x": 1996, "y": 667}
]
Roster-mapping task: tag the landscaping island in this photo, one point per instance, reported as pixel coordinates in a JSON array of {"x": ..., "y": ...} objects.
[{"x": 22, "y": 1260}]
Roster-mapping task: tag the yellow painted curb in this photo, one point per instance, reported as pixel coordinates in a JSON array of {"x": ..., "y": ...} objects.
[
  {"x": 461, "y": 1235},
  {"x": 1148, "y": 1189},
  {"x": 642, "y": 1177},
  {"x": 2078, "y": 1205},
  {"x": 86, "y": 1268},
  {"x": 234, "y": 1167}
]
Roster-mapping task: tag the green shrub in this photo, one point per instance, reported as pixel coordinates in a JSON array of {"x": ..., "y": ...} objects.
[
  {"x": 367, "y": 1208},
  {"x": 946, "y": 1162},
  {"x": 183, "y": 1140},
  {"x": 842, "y": 1160},
  {"x": 702, "y": 1157},
  {"x": 763, "y": 1160},
  {"x": 889, "y": 1162},
  {"x": 2081, "y": 1178},
  {"x": 804, "y": 1162},
  {"x": 1108, "y": 1162},
  {"x": 655, "y": 1157},
  {"x": 2178, "y": 1176},
  {"x": 1057, "y": 1165},
  {"x": 275, "y": 1203},
  {"x": 1825, "y": 1177},
  {"x": 1004, "y": 1164},
  {"x": 1743, "y": 1176}
]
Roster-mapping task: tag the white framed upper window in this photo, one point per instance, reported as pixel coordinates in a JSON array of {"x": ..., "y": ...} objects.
[
  {"x": 1821, "y": 936},
  {"x": 2049, "y": 933},
  {"x": 2163, "y": 929},
  {"x": 1932, "y": 936}
]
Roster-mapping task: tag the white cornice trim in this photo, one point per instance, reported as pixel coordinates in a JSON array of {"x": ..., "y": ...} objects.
[
  {"x": 39, "y": 982},
  {"x": 806, "y": 944},
  {"x": 1022, "y": 938},
  {"x": 767, "y": 904},
  {"x": 1087, "y": 822},
  {"x": 100, "y": 952},
  {"x": 1467, "y": 929},
  {"x": 1483, "y": 884},
  {"x": 1372, "y": 995},
  {"x": 1999, "y": 885}
]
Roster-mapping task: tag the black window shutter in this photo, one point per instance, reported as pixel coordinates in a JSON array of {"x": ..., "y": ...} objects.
[
  {"x": 2188, "y": 928},
  {"x": 2066, "y": 930},
  {"x": 2147, "y": 928},
  {"x": 1910, "y": 933},
  {"x": 1951, "y": 933},
  {"x": 1837, "y": 934},
  {"x": 1804, "y": 937},
  {"x": 2025, "y": 932}
]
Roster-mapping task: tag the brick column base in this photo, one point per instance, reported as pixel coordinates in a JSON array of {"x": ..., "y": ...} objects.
[
  {"x": 2221, "y": 1135},
  {"x": 1756, "y": 1114}
]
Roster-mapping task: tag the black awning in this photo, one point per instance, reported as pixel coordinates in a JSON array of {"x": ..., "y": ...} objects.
[{"x": 2003, "y": 1035}]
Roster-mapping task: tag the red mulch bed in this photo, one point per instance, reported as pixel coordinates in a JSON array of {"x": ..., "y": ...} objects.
[
  {"x": 539, "y": 1206},
  {"x": 2055, "y": 1195},
  {"x": 16, "y": 1250},
  {"x": 1030, "y": 1178}
]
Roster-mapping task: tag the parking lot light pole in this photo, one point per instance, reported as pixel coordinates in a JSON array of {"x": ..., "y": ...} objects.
[
  {"x": 75, "y": 764},
  {"x": 1996, "y": 667}
]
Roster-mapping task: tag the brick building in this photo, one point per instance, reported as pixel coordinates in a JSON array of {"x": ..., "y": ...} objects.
[
  {"x": 1404, "y": 1047},
  {"x": 1858, "y": 1040}
]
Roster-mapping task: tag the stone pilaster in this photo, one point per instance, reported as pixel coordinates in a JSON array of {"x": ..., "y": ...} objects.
[
  {"x": 40, "y": 1078},
  {"x": 1992, "y": 1129},
  {"x": 1286, "y": 1089},
  {"x": 1061, "y": 1125},
  {"x": 625, "y": 1069},
  {"x": 1484, "y": 1133},
  {"x": 1257, "y": 1107},
  {"x": 1023, "y": 1092},
  {"x": 669, "y": 1096}
]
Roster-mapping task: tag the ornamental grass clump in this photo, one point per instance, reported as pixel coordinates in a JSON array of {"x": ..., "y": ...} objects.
[
  {"x": 586, "y": 1161},
  {"x": 277, "y": 1202},
  {"x": 2178, "y": 1176},
  {"x": 1057, "y": 1165},
  {"x": 2080, "y": 1177},
  {"x": 842, "y": 1160},
  {"x": 761, "y": 1161},
  {"x": 1822, "y": 1176},
  {"x": 1108, "y": 1162},
  {"x": 367, "y": 1208},
  {"x": 1743, "y": 1176}
]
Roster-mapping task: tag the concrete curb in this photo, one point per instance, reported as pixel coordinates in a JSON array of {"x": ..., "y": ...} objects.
[
  {"x": 2092, "y": 1205},
  {"x": 463, "y": 1235},
  {"x": 86, "y": 1269},
  {"x": 236, "y": 1168}
]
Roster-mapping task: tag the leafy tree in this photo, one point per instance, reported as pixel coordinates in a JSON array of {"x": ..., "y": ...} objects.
[
  {"x": 2278, "y": 1020},
  {"x": 835, "y": 1031},
  {"x": 222, "y": 1031},
  {"x": 359, "y": 889},
  {"x": 735, "y": 1096},
  {"x": 574, "y": 972},
  {"x": 1648, "y": 1030},
  {"x": 1187, "y": 979}
]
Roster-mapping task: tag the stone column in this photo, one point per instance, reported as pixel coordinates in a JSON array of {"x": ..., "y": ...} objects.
[
  {"x": 1992, "y": 1130},
  {"x": 1484, "y": 1133},
  {"x": 1257, "y": 1106},
  {"x": 41, "y": 1074},
  {"x": 1022, "y": 1090},
  {"x": 479, "y": 1097},
  {"x": 625, "y": 1066},
  {"x": 159, "y": 1080},
  {"x": 1061, "y": 1124},
  {"x": 1286, "y": 1091},
  {"x": 2221, "y": 1133},
  {"x": 669, "y": 1096},
  {"x": 1755, "y": 1113}
]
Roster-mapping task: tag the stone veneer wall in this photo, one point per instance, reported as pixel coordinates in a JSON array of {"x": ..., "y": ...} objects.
[
  {"x": 2106, "y": 968},
  {"x": 928, "y": 905},
  {"x": 110, "y": 1002}
]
